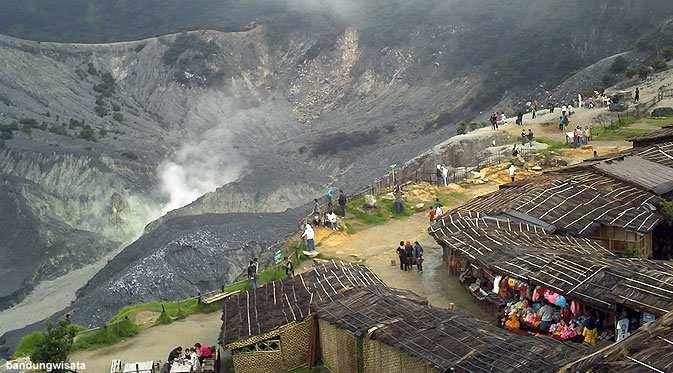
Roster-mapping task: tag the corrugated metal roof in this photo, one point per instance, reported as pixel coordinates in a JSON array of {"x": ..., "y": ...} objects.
[{"x": 651, "y": 176}]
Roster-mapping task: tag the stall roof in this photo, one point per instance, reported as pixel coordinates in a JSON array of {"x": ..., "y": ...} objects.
[
  {"x": 650, "y": 349},
  {"x": 280, "y": 303},
  {"x": 659, "y": 153},
  {"x": 661, "y": 135},
  {"x": 446, "y": 340},
  {"x": 651, "y": 176},
  {"x": 576, "y": 201},
  {"x": 578, "y": 268}
]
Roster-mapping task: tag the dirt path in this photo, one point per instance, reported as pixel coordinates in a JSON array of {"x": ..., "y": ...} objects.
[
  {"x": 155, "y": 343},
  {"x": 375, "y": 247}
]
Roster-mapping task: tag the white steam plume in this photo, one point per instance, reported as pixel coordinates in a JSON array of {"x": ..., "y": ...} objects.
[{"x": 199, "y": 167}]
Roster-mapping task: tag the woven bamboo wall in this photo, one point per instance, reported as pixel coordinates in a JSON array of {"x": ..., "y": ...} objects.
[
  {"x": 338, "y": 349},
  {"x": 295, "y": 344},
  {"x": 255, "y": 362},
  {"x": 381, "y": 358}
]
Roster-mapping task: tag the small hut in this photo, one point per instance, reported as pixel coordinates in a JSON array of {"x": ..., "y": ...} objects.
[
  {"x": 373, "y": 330},
  {"x": 648, "y": 350},
  {"x": 271, "y": 329}
]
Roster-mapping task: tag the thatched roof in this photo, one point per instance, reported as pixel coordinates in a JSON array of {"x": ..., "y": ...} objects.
[
  {"x": 576, "y": 202},
  {"x": 575, "y": 267},
  {"x": 280, "y": 303},
  {"x": 446, "y": 340},
  {"x": 650, "y": 349}
]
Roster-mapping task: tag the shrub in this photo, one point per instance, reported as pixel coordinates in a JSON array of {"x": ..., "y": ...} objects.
[
  {"x": 87, "y": 133},
  {"x": 119, "y": 117},
  {"x": 58, "y": 130},
  {"x": 462, "y": 128},
  {"x": 116, "y": 107},
  {"x": 102, "y": 132},
  {"x": 658, "y": 64},
  {"x": 630, "y": 73},
  {"x": 667, "y": 211},
  {"x": 107, "y": 335},
  {"x": 663, "y": 112},
  {"x": 667, "y": 53},
  {"x": 92, "y": 69},
  {"x": 28, "y": 122},
  {"x": 619, "y": 65},
  {"x": 643, "y": 71}
]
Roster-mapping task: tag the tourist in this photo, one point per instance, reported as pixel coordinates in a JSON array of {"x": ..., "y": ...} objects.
[
  {"x": 309, "y": 236},
  {"x": 561, "y": 123},
  {"x": 588, "y": 133},
  {"x": 570, "y": 109},
  {"x": 439, "y": 211},
  {"x": 342, "y": 203},
  {"x": 316, "y": 207},
  {"x": 579, "y": 100},
  {"x": 576, "y": 135},
  {"x": 546, "y": 313},
  {"x": 419, "y": 263},
  {"x": 330, "y": 197},
  {"x": 515, "y": 151},
  {"x": 418, "y": 254},
  {"x": 564, "y": 110},
  {"x": 399, "y": 203},
  {"x": 493, "y": 119},
  {"x": 445, "y": 175},
  {"x": 205, "y": 352},
  {"x": 252, "y": 274},
  {"x": 193, "y": 357},
  {"x": 636, "y": 97},
  {"x": 332, "y": 220},
  {"x": 431, "y": 214},
  {"x": 174, "y": 354},
  {"x": 316, "y": 219},
  {"x": 585, "y": 135},
  {"x": 533, "y": 110},
  {"x": 409, "y": 253},
  {"x": 439, "y": 174},
  {"x": 590, "y": 331},
  {"x": 255, "y": 261},
  {"x": 437, "y": 203},
  {"x": 523, "y": 137},
  {"x": 401, "y": 254},
  {"x": 530, "y": 137},
  {"x": 512, "y": 171},
  {"x": 289, "y": 267}
]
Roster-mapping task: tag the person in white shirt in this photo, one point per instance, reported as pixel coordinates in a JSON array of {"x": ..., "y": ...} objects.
[
  {"x": 512, "y": 171},
  {"x": 439, "y": 211},
  {"x": 332, "y": 220},
  {"x": 194, "y": 358},
  {"x": 309, "y": 236},
  {"x": 445, "y": 175}
]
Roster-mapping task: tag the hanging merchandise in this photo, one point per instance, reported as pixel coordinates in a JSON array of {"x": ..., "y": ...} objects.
[{"x": 575, "y": 308}]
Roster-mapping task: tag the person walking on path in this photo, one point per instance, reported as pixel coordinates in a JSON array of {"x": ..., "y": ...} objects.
[
  {"x": 402, "y": 255},
  {"x": 342, "y": 203},
  {"x": 309, "y": 236},
  {"x": 252, "y": 274},
  {"x": 330, "y": 198},
  {"x": 530, "y": 137},
  {"x": 636, "y": 97},
  {"x": 493, "y": 119},
  {"x": 316, "y": 207},
  {"x": 512, "y": 171}
]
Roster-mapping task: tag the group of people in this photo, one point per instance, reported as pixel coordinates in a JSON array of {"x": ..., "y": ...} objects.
[
  {"x": 190, "y": 356},
  {"x": 527, "y": 137},
  {"x": 327, "y": 219},
  {"x": 410, "y": 255},
  {"x": 579, "y": 136},
  {"x": 436, "y": 211},
  {"x": 342, "y": 200},
  {"x": 497, "y": 119}
]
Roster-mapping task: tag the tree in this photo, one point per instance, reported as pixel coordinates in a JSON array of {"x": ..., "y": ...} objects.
[
  {"x": 56, "y": 344},
  {"x": 667, "y": 211}
]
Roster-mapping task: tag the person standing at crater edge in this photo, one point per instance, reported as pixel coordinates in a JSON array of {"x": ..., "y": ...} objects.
[
  {"x": 342, "y": 203},
  {"x": 309, "y": 236}
]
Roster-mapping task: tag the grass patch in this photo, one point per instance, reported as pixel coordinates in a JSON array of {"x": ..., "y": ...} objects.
[
  {"x": 553, "y": 145},
  {"x": 619, "y": 133},
  {"x": 363, "y": 217},
  {"x": 452, "y": 198},
  {"x": 106, "y": 335}
]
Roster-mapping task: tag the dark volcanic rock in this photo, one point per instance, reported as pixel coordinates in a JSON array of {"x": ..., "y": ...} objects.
[{"x": 179, "y": 258}]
